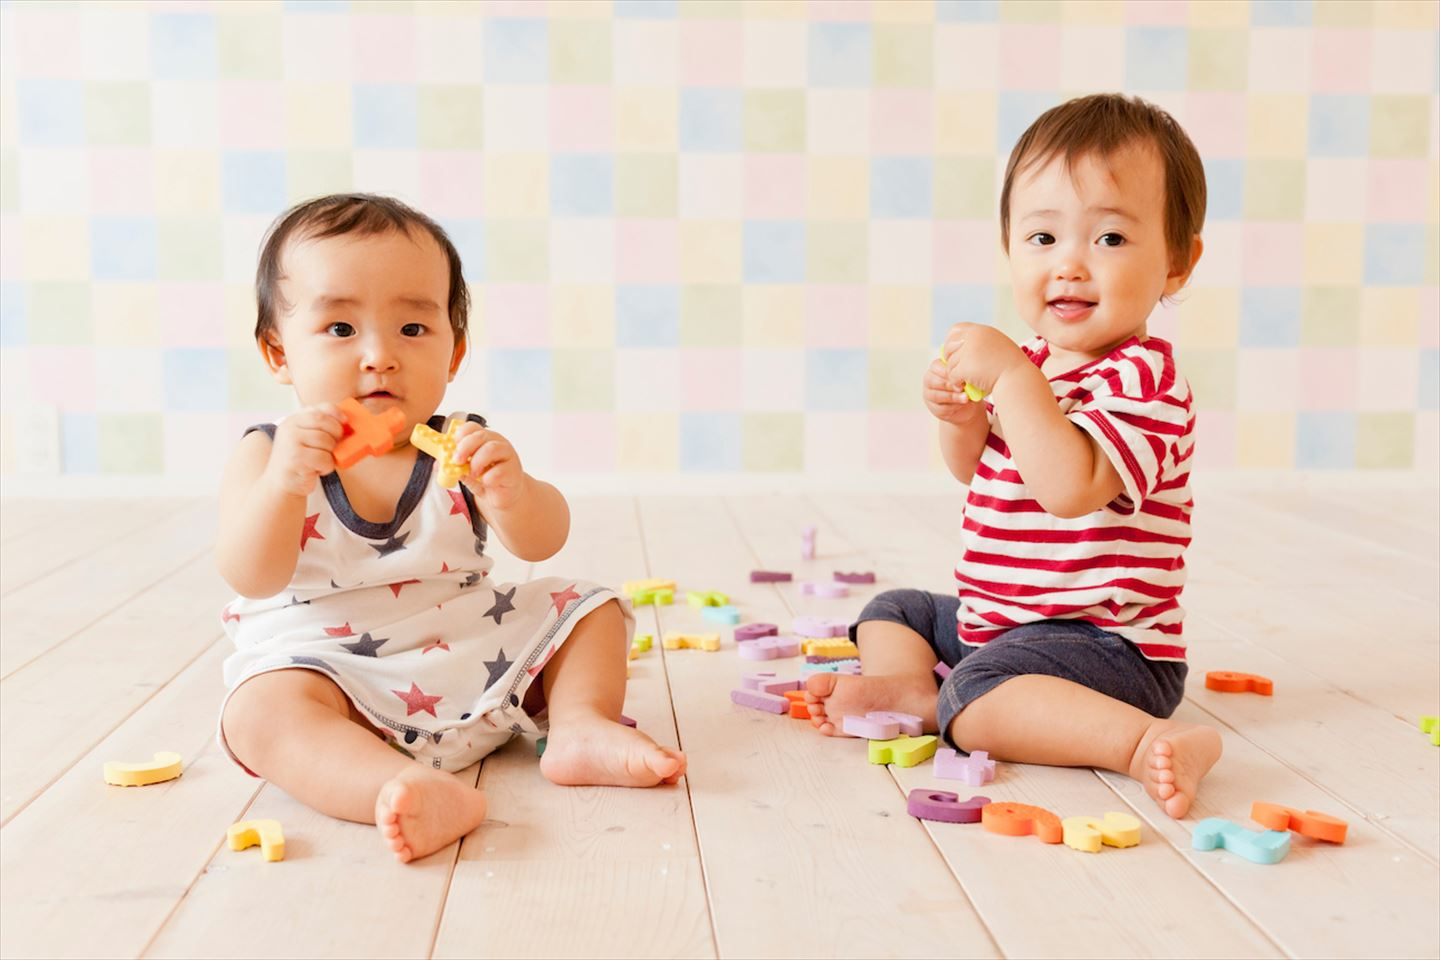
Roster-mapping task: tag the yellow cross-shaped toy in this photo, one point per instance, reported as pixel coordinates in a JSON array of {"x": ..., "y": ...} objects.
[{"x": 441, "y": 446}]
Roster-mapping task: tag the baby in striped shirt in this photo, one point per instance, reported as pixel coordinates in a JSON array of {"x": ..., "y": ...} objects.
[{"x": 1064, "y": 635}]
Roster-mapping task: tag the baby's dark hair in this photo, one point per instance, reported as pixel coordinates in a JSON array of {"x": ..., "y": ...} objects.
[{"x": 344, "y": 213}]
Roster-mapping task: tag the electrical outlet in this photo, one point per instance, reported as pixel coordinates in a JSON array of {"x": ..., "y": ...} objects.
[{"x": 37, "y": 439}]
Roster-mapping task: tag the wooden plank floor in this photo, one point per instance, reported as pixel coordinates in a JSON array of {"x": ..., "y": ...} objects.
[{"x": 779, "y": 842}]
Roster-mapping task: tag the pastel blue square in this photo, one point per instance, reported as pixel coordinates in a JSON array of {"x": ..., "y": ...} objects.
[
  {"x": 1325, "y": 440},
  {"x": 182, "y": 46},
  {"x": 253, "y": 181},
  {"x": 1394, "y": 254},
  {"x": 197, "y": 378},
  {"x": 79, "y": 443},
  {"x": 710, "y": 442},
  {"x": 710, "y": 119},
  {"x": 840, "y": 54},
  {"x": 645, "y": 9},
  {"x": 520, "y": 380},
  {"x": 122, "y": 248},
  {"x": 386, "y": 115},
  {"x": 1156, "y": 58},
  {"x": 1339, "y": 125},
  {"x": 1269, "y": 317},
  {"x": 1429, "y": 392},
  {"x": 468, "y": 236},
  {"x": 1280, "y": 13},
  {"x": 13, "y": 328},
  {"x": 582, "y": 185},
  {"x": 1224, "y": 188},
  {"x": 1017, "y": 109},
  {"x": 317, "y": 6},
  {"x": 967, "y": 11},
  {"x": 52, "y": 112},
  {"x": 836, "y": 380},
  {"x": 647, "y": 316},
  {"x": 774, "y": 251},
  {"x": 516, "y": 51},
  {"x": 960, "y": 303},
  {"x": 901, "y": 187}
]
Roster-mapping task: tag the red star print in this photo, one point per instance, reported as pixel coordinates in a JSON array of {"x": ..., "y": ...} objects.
[
  {"x": 344, "y": 631},
  {"x": 437, "y": 645},
  {"x": 444, "y": 567},
  {"x": 310, "y": 533},
  {"x": 226, "y": 616},
  {"x": 457, "y": 504},
  {"x": 396, "y": 587},
  {"x": 417, "y": 700},
  {"x": 563, "y": 598}
]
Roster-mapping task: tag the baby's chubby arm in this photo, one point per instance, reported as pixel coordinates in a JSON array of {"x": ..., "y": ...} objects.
[
  {"x": 530, "y": 516},
  {"x": 262, "y": 499},
  {"x": 1062, "y": 465}
]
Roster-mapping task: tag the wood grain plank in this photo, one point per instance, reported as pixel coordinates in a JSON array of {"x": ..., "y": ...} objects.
[{"x": 70, "y": 530}]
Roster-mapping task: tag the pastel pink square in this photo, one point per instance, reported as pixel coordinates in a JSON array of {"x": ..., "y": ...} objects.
[
  {"x": 1164, "y": 321},
  {"x": 195, "y": 442},
  {"x": 384, "y": 47},
  {"x": 966, "y": 251},
  {"x": 1394, "y": 188},
  {"x": 647, "y": 251},
  {"x": 710, "y": 52},
  {"x": 835, "y": 316},
  {"x": 122, "y": 180},
  {"x": 64, "y": 377},
  {"x": 1327, "y": 378},
  {"x": 249, "y": 113},
  {"x": 830, "y": 440},
  {"x": 451, "y": 183},
  {"x": 902, "y": 121},
  {"x": 516, "y": 315},
  {"x": 1215, "y": 440},
  {"x": 1268, "y": 379},
  {"x": 710, "y": 378},
  {"x": 816, "y": 10},
  {"x": 1430, "y": 316},
  {"x": 192, "y": 315},
  {"x": 1274, "y": 253},
  {"x": 775, "y": 187},
  {"x": 582, "y": 118},
  {"x": 1156, "y": 13},
  {"x": 1342, "y": 61},
  {"x": 898, "y": 442},
  {"x": 1029, "y": 56},
  {"x": 584, "y": 442},
  {"x": 1216, "y": 123},
  {"x": 53, "y": 44}
]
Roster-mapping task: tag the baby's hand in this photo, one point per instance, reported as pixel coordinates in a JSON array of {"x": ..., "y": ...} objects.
[
  {"x": 304, "y": 448},
  {"x": 945, "y": 400},
  {"x": 495, "y": 476},
  {"x": 978, "y": 355}
]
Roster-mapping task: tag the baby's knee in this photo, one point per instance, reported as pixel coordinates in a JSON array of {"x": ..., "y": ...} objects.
[{"x": 258, "y": 704}]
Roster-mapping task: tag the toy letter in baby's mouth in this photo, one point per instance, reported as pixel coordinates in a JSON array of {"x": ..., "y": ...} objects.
[{"x": 366, "y": 434}]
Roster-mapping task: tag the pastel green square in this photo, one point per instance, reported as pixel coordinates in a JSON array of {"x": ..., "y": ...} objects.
[
  {"x": 1007, "y": 318},
  {"x": 775, "y": 121},
  {"x": 1330, "y": 317},
  {"x": 646, "y": 185},
  {"x": 580, "y": 51},
  {"x": 517, "y": 251},
  {"x": 315, "y": 173},
  {"x": 249, "y": 46},
  {"x": 1399, "y": 126},
  {"x": 710, "y": 315},
  {"x": 773, "y": 442},
  {"x": 451, "y": 116},
  {"x": 1030, "y": 11},
  {"x": 58, "y": 314},
  {"x": 250, "y": 385},
  {"x": 709, "y": 9},
  {"x": 131, "y": 443},
  {"x": 837, "y": 252},
  {"x": 895, "y": 377},
  {"x": 188, "y": 248},
  {"x": 1219, "y": 58},
  {"x": 9, "y": 181},
  {"x": 1385, "y": 441},
  {"x": 1274, "y": 188},
  {"x": 965, "y": 188},
  {"x": 584, "y": 379},
  {"x": 117, "y": 114},
  {"x": 1211, "y": 372},
  {"x": 903, "y": 55}
]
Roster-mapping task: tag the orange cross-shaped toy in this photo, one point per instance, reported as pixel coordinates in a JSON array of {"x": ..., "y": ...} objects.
[{"x": 366, "y": 434}]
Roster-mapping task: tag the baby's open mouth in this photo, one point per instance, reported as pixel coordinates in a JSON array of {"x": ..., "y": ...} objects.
[
  {"x": 1068, "y": 307},
  {"x": 379, "y": 395}
]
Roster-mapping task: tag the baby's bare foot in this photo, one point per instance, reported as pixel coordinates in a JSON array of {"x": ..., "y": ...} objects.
[
  {"x": 832, "y": 697},
  {"x": 1171, "y": 761},
  {"x": 420, "y": 810},
  {"x": 595, "y": 751}
]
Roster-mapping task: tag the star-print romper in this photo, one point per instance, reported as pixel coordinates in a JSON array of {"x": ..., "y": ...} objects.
[{"x": 403, "y": 617}]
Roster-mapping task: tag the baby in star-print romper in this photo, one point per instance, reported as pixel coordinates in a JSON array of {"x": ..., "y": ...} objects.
[{"x": 373, "y": 652}]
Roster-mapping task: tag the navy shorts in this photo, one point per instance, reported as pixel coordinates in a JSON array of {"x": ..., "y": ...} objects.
[{"x": 1070, "y": 649}]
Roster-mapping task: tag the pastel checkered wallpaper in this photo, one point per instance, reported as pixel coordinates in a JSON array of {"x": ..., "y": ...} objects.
[{"x": 705, "y": 235}]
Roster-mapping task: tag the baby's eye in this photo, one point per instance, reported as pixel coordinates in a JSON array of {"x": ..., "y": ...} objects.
[
  {"x": 413, "y": 329},
  {"x": 341, "y": 329},
  {"x": 1112, "y": 240},
  {"x": 1040, "y": 239}
]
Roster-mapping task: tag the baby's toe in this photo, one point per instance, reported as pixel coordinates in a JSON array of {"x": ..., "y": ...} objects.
[{"x": 1165, "y": 791}]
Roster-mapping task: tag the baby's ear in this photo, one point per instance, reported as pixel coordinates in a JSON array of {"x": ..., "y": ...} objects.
[
  {"x": 1178, "y": 277},
  {"x": 460, "y": 347},
  {"x": 274, "y": 356}
]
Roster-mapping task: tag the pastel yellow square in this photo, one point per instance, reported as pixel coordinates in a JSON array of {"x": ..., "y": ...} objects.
[
  {"x": 317, "y": 116},
  {"x": 1209, "y": 317},
  {"x": 1219, "y": 58},
  {"x": 898, "y": 11},
  {"x": 1334, "y": 252},
  {"x": 559, "y": 11},
  {"x": 646, "y": 119},
  {"x": 9, "y": 180},
  {"x": 1405, "y": 14},
  {"x": 648, "y": 442},
  {"x": 55, "y": 248},
  {"x": 710, "y": 315},
  {"x": 1220, "y": 13},
  {"x": 837, "y": 252},
  {"x": 240, "y": 308},
  {"x": 1094, "y": 12},
  {"x": 1030, "y": 11},
  {"x": 772, "y": 442},
  {"x": 1275, "y": 188},
  {"x": 1390, "y": 316},
  {"x": 1265, "y": 440},
  {"x": 898, "y": 316},
  {"x": 1278, "y": 125},
  {"x": 772, "y": 10},
  {"x": 313, "y": 173},
  {"x": 706, "y": 9},
  {"x": 711, "y": 251},
  {"x": 773, "y": 316},
  {"x": 965, "y": 122},
  {"x": 1400, "y": 125},
  {"x": 1330, "y": 316},
  {"x": 580, "y": 50},
  {"x": 1343, "y": 13},
  {"x": 186, "y": 182},
  {"x": 1211, "y": 374},
  {"x": 965, "y": 187},
  {"x": 582, "y": 315},
  {"x": 837, "y": 188},
  {"x": 516, "y": 185},
  {"x": 903, "y": 55},
  {"x": 128, "y": 315}
]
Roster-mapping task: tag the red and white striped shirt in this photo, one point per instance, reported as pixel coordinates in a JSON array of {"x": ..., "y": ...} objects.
[{"x": 1121, "y": 567}]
